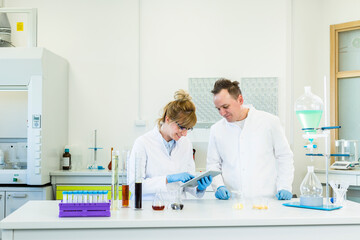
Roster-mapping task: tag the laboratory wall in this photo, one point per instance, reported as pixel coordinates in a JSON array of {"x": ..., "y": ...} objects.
[
  {"x": 311, "y": 61},
  {"x": 128, "y": 57}
]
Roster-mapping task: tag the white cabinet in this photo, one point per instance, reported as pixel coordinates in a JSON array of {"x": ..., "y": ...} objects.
[
  {"x": 11, "y": 198},
  {"x": 2, "y": 205}
]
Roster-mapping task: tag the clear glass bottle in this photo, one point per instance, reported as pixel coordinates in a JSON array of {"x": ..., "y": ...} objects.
[
  {"x": 309, "y": 109},
  {"x": 311, "y": 190},
  {"x": 158, "y": 203},
  {"x": 177, "y": 203}
]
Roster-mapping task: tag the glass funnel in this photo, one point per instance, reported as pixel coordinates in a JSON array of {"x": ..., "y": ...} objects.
[{"x": 309, "y": 109}]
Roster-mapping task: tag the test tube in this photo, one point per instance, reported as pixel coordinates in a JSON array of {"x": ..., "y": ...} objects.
[
  {"x": 105, "y": 196},
  {"x": 75, "y": 196},
  {"x": 80, "y": 196},
  {"x": 91, "y": 197},
  {"x": 139, "y": 161},
  {"x": 85, "y": 196},
  {"x": 95, "y": 196},
  {"x": 64, "y": 193},
  {"x": 125, "y": 182},
  {"x": 115, "y": 180},
  {"x": 70, "y": 197}
]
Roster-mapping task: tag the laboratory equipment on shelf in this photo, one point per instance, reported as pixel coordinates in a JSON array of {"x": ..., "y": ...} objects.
[
  {"x": 347, "y": 154},
  {"x": 115, "y": 180},
  {"x": 311, "y": 189},
  {"x": 66, "y": 159},
  {"x": 139, "y": 163},
  {"x": 125, "y": 180},
  {"x": 93, "y": 164}
]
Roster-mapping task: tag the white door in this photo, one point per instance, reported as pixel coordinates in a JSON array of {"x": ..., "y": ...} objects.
[
  {"x": 2, "y": 205},
  {"x": 14, "y": 200}
]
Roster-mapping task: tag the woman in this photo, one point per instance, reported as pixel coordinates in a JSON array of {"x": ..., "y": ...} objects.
[{"x": 168, "y": 153}]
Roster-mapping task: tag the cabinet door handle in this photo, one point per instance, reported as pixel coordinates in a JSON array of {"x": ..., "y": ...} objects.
[
  {"x": 1, "y": 197},
  {"x": 18, "y": 195}
]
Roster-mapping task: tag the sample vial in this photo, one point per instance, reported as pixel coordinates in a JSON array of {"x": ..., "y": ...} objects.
[
  {"x": 75, "y": 196},
  {"x": 70, "y": 197},
  {"x": 85, "y": 197},
  {"x": 80, "y": 197},
  {"x": 64, "y": 193}
]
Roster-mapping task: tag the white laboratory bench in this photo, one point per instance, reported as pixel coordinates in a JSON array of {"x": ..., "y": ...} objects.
[
  {"x": 200, "y": 219},
  {"x": 350, "y": 176}
]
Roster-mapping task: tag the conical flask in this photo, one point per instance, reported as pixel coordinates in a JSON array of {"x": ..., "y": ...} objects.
[
  {"x": 311, "y": 189},
  {"x": 309, "y": 109}
]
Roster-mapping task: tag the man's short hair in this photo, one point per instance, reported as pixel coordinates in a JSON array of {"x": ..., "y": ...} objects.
[{"x": 232, "y": 87}]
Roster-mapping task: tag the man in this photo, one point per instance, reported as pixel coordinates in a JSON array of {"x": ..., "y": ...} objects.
[{"x": 249, "y": 147}]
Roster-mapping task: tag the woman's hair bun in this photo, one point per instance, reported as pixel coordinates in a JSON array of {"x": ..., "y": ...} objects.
[{"x": 182, "y": 95}]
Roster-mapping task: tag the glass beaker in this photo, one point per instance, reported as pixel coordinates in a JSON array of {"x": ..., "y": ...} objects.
[
  {"x": 311, "y": 190},
  {"x": 238, "y": 200},
  {"x": 158, "y": 203},
  {"x": 176, "y": 203},
  {"x": 309, "y": 109}
]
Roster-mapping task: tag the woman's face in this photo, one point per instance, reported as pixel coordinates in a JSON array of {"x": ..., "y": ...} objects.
[{"x": 174, "y": 130}]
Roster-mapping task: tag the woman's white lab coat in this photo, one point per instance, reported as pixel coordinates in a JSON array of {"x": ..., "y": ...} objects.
[
  {"x": 159, "y": 164},
  {"x": 256, "y": 160}
]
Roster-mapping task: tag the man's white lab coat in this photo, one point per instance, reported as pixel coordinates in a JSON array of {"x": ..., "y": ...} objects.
[
  {"x": 256, "y": 160},
  {"x": 158, "y": 164}
]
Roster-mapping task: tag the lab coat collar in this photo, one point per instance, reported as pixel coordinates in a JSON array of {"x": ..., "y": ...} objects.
[{"x": 249, "y": 116}]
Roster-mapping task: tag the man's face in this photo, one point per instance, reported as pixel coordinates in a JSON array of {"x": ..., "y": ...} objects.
[{"x": 228, "y": 107}]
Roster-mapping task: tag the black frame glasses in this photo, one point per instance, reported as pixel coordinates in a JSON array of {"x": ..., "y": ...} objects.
[{"x": 182, "y": 128}]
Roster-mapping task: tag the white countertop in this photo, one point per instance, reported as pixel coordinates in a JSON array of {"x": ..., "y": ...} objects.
[
  {"x": 333, "y": 171},
  {"x": 196, "y": 213}
]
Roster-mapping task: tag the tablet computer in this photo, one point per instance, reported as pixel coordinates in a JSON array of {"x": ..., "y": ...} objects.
[{"x": 193, "y": 182}]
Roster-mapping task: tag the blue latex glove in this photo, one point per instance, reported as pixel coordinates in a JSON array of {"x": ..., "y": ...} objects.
[
  {"x": 284, "y": 195},
  {"x": 204, "y": 182},
  {"x": 222, "y": 193},
  {"x": 183, "y": 177}
]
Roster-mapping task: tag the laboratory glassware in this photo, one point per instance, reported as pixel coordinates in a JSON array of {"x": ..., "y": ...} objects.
[
  {"x": 158, "y": 203},
  {"x": 339, "y": 192},
  {"x": 66, "y": 160},
  {"x": 125, "y": 182},
  {"x": 309, "y": 109},
  {"x": 139, "y": 161},
  {"x": 115, "y": 180},
  {"x": 177, "y": 203},
  {"x": 311, "y": 190},
  {"x": 94, "y": 164},
  {"x": 237, "y": 199}
]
